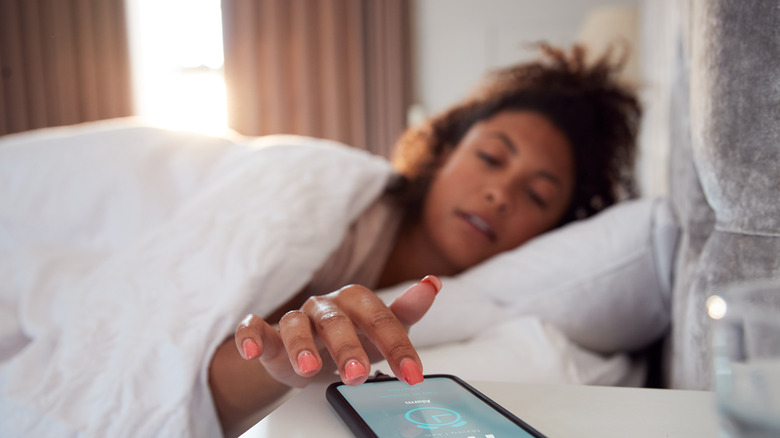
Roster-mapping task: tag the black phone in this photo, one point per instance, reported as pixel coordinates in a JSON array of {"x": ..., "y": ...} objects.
[{"x": 442, "y": 405}]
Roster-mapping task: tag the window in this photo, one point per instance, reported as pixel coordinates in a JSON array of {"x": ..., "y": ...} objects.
[{"x": 177, "y": 59}]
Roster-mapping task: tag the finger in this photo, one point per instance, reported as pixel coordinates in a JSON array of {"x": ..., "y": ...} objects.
[
  {"x": 337, "y": 332},
  {"x": 255, "y": 337},
  {"x": 378, "y": 323},
  {"x": 296, "y": 331},
  {"x": 415, "y": 301}
]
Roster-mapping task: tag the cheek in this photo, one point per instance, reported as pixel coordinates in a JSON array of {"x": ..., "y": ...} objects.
[
  {"x": 436, "y": 199},
  {"x": 446, "y": 182}
]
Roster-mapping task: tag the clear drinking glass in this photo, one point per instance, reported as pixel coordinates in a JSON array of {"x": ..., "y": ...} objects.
[{"x": 746, "y": 358}]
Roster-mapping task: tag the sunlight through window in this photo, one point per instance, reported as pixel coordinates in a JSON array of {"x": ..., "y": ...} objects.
[{"x": 177, "y": 57}]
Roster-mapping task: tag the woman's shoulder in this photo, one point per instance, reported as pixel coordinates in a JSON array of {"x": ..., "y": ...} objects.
[{"x": 362, "y": 253}]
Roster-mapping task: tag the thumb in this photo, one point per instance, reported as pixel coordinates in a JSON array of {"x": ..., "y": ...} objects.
[{"x": 415, "y": 301}]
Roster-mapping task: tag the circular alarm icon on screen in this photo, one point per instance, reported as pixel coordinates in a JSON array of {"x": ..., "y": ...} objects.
[{"x": 434, "y": 418}]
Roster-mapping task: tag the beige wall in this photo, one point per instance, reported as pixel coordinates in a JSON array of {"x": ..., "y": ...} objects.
[{"x": 456, "y": 41}]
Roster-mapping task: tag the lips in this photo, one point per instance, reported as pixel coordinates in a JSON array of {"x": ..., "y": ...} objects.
[{"x": 480, "y": 224}]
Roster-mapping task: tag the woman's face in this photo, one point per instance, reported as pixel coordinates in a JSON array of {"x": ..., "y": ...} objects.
[{"x": 510, "y": 179}]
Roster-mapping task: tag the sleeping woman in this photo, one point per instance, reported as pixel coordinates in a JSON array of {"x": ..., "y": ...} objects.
[{"x": 538, "y": 145}]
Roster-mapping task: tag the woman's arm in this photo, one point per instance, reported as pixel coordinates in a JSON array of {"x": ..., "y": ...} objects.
[
  {"x": 261, "y": 363},
  {"x": 240, "y": 387}
]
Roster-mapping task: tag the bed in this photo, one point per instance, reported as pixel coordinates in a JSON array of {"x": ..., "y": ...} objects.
[{"x": 129, "y": 252}]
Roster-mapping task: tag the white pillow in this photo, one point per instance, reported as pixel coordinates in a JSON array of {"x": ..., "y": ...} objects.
[{"x": 604, "y": 282}]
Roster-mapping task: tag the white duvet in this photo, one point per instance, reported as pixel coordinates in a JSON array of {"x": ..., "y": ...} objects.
[{"x": 128, "y": 253}]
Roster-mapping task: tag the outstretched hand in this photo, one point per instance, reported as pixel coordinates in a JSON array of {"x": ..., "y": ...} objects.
[{"x": 352, "y": 325}]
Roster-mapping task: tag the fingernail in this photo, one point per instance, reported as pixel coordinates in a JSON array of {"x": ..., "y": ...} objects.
[
  {"x": 411, "y": 372},
  {"x": 251, "y": 350},
  {"x": 433, "y": 281},
  {"x": 307, "y": 362},
  {"x": 354, "y": 370}
]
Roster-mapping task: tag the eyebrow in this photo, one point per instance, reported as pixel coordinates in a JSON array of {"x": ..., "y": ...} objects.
[
  {"x": 513, "y": 149},
  {"x": 507, "y": 142}
]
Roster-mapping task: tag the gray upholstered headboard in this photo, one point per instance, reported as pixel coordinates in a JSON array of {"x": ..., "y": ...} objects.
[{"x": 724, "y": 174}]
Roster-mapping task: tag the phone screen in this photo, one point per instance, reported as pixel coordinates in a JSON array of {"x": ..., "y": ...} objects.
[{"x": 440, "y": 406}]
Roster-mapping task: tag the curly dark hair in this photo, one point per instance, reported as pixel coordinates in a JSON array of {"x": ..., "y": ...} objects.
[{"x": 598, "y": 115}]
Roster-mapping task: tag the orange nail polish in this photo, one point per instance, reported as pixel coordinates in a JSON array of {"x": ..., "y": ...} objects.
[
  {"x": 354, "y": 370},
  {"x": 307, "y": 362},
  {"x": 411, "y": 372},
  {"x": 251, "y": 350},
  {"x": 433, "y": 281}
]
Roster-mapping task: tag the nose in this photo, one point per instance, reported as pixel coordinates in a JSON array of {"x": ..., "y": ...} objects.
[{"x": 497, "y": 194}]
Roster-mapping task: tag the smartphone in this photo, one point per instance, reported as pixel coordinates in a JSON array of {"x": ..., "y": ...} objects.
[{"x": 442, "y": 405}]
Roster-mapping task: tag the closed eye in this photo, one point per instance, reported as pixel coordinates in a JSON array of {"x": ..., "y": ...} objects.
[
  {"x": 489, "y": 159},
  {"x": 537, "y": 199}
]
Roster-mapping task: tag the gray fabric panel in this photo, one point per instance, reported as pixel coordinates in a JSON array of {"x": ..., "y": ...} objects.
[
  {"x": 735, "y": 132},
  {"x": 726, "y": 258},
  {"x": 694, "y": 214},
  {"x": 691, "y": 206},
  {"x": 735, "y": 111}
]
